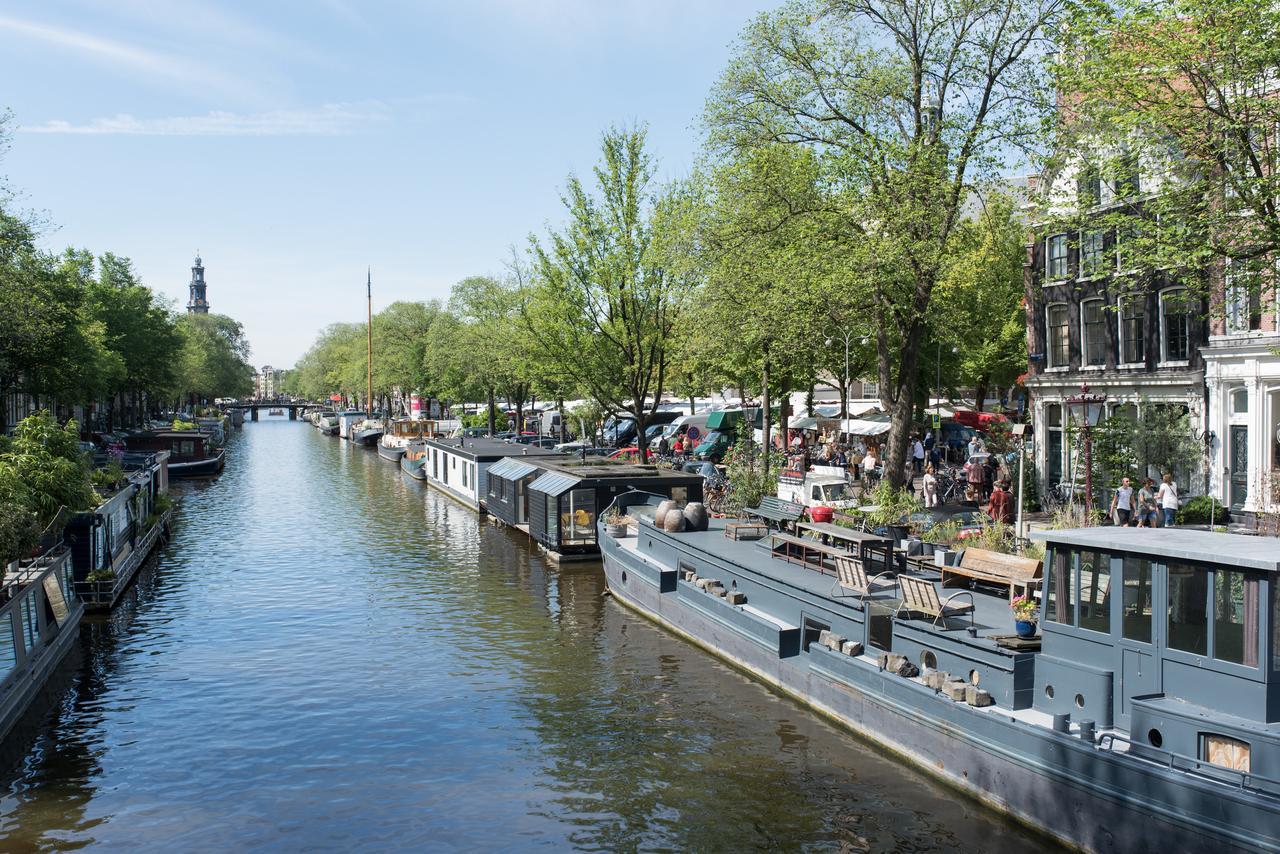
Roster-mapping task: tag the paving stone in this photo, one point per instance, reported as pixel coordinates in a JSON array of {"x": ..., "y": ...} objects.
[
  {"x": 737, "y": 597},
  {"x": 851, "y": 648},
  {"x": 975, "y": 696},
  {"x": 955, "y": 690}
]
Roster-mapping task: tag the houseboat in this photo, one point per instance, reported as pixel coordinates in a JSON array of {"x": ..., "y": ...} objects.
[
  {"x": 41, "y": 621},
  {"x": 1143, "y": 721},
  {"x": 368, "y": 432},
  {"x": 192, "y": 453},
  {"x": 348, "y": 420},
  {"x": 459, "y": 467},
  {"x": 111, "y": 542},
  {"x": 399, "y": 434},
  {"x": 327, "y": 423},
  {"x": 413, "y": 461},
  {"x": 555, "y": 501}
]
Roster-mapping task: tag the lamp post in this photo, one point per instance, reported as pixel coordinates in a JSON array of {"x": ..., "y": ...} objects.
[
  {"x": 847, "y": 336},
  {"x": 1084, "y": 400}
]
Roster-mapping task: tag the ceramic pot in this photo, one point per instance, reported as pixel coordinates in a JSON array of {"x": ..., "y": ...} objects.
[
  {"x": 695, "y": 516},
  {"x": 673, "y": 521},
  {"x": 820, "y": 514},
  {"x": 617, "y": 530},
  {"x": 660, "y": 515},
  {"x": 1024, "y": 628}
]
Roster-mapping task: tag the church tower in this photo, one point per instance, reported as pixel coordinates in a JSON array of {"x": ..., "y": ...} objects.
[{"x": 199, "y": 301}]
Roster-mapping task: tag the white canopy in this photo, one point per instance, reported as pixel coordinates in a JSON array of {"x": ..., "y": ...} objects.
[{"x": 864, "y": 427}]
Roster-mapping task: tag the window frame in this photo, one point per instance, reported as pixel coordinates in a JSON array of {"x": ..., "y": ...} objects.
[
  {"x": 1165, "y": 358},
  {"x": 1092, "y": 255},
  {"x": 1051, "y": 261},
  {"x": 1086, "y": 340},
  {"x": 1050, "y": 362},
  {"x": 1122, "y": 338}
]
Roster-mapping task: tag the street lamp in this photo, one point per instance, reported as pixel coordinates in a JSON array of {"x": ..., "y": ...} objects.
[
  {"x": 1085, "y": 400},
  {"x": 847, "y": 336}
]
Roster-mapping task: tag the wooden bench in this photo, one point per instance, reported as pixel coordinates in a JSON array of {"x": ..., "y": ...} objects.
[
  {"x": 800, "y": 547},
  {"x": 776, "y": 510},
  {"x": 852, "y": 575},
  {"x": 1021, "y": 574},
  {"x": 921, "y": 597}
]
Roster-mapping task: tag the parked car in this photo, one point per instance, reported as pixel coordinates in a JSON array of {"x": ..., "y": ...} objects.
[
  {"x": 630, "y": 454},
  {"x": 538, "y": 441}
]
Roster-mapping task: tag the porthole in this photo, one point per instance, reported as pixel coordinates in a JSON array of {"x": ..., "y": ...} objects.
[
  {"x": 1048, "y": 691},
  {"x": 1079, "y": 701},
  {"x": 1155, "y": 738},
  {"x": 624, "y": 576},
  {"x": 974, "y": 677},
  {"x": 928, "y": 660}
]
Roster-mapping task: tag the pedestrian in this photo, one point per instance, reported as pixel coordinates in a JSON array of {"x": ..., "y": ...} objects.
[
  {"x": 975, "y": 446},
  {"x": 1147, "y": 504},
  {"x": 917, "y": 455},
  {"x": 1168, "y": 498},
  {"x": 1001, "y": 507},
  {"x": 909, "y": 477},
  {"x": 1122, "y": 504},
  {"x": 929, "y": 441},
  {"x": 869, "y": 463},
  {"x": 664, "y": 448},
  {"x": 975, "y": 474},
  {"x": 678, "y": 448},
  {"x": 929, "y": 486}
]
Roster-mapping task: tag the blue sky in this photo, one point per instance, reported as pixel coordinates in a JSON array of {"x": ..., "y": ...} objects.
[{"x": 294, "y": 142}]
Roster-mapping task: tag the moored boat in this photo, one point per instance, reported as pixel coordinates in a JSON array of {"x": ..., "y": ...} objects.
[
  {"x": 367, "y": 432},
  {"x": 192, "y": 453},
  {"x": 1141, "y": 721},
  {"x": 400, "y": 433},
  {"x": 413, "y": 459},
  {"x": 348, "y": 420},
  {"x": 40, "y": 622}
]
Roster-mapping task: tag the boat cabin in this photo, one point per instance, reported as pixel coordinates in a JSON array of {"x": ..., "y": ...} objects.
[
  {"x": 1173, "y": 636},
  {"x": 564, "y": 498},
  {"x": 98, "y": 538},
  {"x": 349, "y": 419},
  {"x": 460, "y": 467},
  {"x": 183, "y": 446}
]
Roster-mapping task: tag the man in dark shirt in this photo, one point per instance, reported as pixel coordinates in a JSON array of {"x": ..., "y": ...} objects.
[{"x": 1001, "y": 507}]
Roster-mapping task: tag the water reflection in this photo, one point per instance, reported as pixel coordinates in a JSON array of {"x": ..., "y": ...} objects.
[{"x": 329, "y": 656}]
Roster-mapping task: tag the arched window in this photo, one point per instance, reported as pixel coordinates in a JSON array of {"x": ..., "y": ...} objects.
[{"x": 1057, "y": 325}]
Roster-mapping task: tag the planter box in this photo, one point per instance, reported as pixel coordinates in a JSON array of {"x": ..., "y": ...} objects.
[{"x": 617, "y": 530}]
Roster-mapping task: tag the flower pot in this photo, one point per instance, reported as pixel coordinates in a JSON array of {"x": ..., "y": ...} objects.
[
  {"x": 953, "y": 556},
  {"x": 1024, "y": 628},
  {"x": 927, "y": 549},
  {"x": 940, "y": 556},
  {"x": 617, "y": 530},
  {"x": 820, "y": 514}
]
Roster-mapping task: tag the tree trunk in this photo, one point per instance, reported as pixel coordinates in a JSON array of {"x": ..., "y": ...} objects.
[
  {"x": 903, "y": 405},
  {"x": 784, "y": 414},
  {"x": 692, "y": 404},
  {"x": 492, "y": 414},
  {"x": 560, "y": 412},
  {"x": 980, "y": 393}
]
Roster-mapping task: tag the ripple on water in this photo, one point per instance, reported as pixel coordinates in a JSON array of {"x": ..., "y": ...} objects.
[{"x": 328, "y": 656}]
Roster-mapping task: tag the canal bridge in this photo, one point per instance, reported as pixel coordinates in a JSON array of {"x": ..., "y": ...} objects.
[{"x": 254, "y": 406}]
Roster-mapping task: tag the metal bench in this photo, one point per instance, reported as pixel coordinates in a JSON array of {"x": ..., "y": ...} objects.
[
  {"x": 1021, "y": 574},
  {"x": 852, "y": 575},
  {"x": 921, "y": 597},
  {"x": 777, "y": 510}
]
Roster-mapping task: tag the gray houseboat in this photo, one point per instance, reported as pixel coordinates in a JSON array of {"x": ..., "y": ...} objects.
[
  {"x": 1144, "y": 717},
  {"x": 39, "y": 623},
  {"x": 460, "y": 467},
  {"x": 556, "y": 501},
  {"x": 109, "y": 543}
]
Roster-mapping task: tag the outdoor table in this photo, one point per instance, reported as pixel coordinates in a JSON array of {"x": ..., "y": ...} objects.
[
  {"x": 806, "y": 552},
  {"x": 745, "y": 530},
  {"x": 866, "y": 543}
]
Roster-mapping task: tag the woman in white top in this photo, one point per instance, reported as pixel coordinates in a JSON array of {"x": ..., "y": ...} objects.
[
  {"x": 1168, "y": 498},
  {"x": 929, "y": 486}
]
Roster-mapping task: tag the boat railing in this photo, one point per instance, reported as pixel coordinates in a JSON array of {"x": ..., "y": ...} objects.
[{"x": 1190, "y": 764}]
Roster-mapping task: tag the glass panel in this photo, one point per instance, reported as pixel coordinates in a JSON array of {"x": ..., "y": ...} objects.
[
  {"x": 1059, "y": 341},
  {"x": 1090, "y": 252},
  {"x": 1053, "y": 415},
  {"x": 1133, "y": 329},
  {"x": 579, "y": 523},
  {"x": 1177, "y": 324},
  {"x": 1235, "y": 617},
  {"x": 1188, "y": 608},
  {"x": 1137, "y": 599},
  {"x": 30, "y": 623},
  {"x": 1240, "y": 401},
  {"x": 8, "y": 649},
  {"x": 1058, "y": 599},
  {"x": 1057, "y": 260},
  {"x": 1095, "y": 337},
  {"x": 1225, "y": 751},
  {"x": 1275, "y": 625},
  {"x": 1095, "y": 591}
]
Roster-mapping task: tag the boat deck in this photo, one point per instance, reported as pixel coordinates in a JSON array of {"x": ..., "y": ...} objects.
[{"x": 991, "y": 614}]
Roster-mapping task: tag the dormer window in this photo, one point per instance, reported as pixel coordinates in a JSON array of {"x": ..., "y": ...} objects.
[{"x": 1056, "y": 257}]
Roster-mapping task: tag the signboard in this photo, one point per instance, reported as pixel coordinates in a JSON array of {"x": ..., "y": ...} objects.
[
  {"x": 694, "y": 433},
  {"x": 335, "y": 397},
  {"x": 415, "y": 407},
  {"x": 937, "y": 421}
]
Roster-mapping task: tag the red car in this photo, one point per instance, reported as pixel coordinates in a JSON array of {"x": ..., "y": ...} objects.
[{"x": 630, "y": 454}]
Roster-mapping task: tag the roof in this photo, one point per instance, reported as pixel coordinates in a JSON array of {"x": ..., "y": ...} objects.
[
  {"x": 555, "y": 483},
  {"x": 610, "y": 470},
  {"x": 865, "y": 426},
  {"x": 1248, "y": 552},
  {"x": 489, "y": 449},
  {"x": 512, "y": 468}
]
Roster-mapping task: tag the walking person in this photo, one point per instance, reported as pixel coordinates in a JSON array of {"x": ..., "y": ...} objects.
[
  {"x": 975, "y": 445},
  {"x": 1001, "y": 507},
  {"x": 1168, "y": 498},
  {"x": 929, "y": 486},
  {"x": 1122, "y": 504},
  {"x": 1146, "y": 504},
  {"x": 917, "y": 455}
]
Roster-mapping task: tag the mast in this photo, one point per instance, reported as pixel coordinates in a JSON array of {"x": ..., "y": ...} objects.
[{"x": 369, "y": 327}]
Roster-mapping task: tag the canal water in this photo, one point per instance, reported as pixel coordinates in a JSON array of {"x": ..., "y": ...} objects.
[{"x": 329, "y": 656}]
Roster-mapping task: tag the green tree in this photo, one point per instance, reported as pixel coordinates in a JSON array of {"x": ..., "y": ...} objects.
[
  {"x": 908, "y": 106},
  {"x": 602, "y": 304},
  {"x": 213, "y": 361}
]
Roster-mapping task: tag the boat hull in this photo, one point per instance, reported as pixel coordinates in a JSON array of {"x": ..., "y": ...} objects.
[
  {"x": 366, "y": 438},
  {"x": 199, "y": 468},
  {"x": 414, "y": 468},
  {"x": 391, "y": 455},
  {"x": 1055, "y": 783}
]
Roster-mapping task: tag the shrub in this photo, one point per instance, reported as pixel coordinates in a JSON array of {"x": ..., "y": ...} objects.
[
  {"x": 1195, "y": 511},
  {"x": 748, "y": 480},
  {"x": 19, "y": 532}
]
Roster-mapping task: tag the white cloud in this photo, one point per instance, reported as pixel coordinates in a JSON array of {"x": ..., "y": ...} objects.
[
  {"x": 160, "y": 67},
  {"x": 328, "y": 120}
]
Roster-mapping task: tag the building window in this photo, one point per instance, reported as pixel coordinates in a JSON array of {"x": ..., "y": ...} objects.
[
  {"x": 1059, "y": 339},
  {"x": 1133, "y": 329},
  {"x": 1093, "y": 332},
  {"x": 1089, "y": 186},
  {"x": 1242, "y": 296},
  {"x": 871, "y": 389},
  {"x": 1240, "y": 401},
  {"x": 1128, "y": 176},
  {"x": 1054, "y": 444},
  {"x": 1056, "y": 257},
  {"x": 1188, "y": 608},
  {"x": 1091, "y": 252},
  {"x": 1175, "y": 322}
]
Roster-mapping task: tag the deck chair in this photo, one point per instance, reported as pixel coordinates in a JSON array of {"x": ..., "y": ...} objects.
[
  {"x": 921, "y": 597},
  {"x": 852, "y": 575}
]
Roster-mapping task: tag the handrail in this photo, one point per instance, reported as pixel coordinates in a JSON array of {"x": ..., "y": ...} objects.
[{"x": 1206, "y": 769}]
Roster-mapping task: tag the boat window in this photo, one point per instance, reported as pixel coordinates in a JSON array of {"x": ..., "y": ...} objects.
[
  {"x": 1224, "y": 751},
  {"x": 8, "y": 649},
  {"x": 1137, "y": 599},
  {"x": 578, "y": 516},
  {"x": 1059, "y": 606},
  {"x": 187, "y": 449},
  {"x": 1095, "y": 591},
  {"x": 1188, "y": 608},
  {"x": 1235, "y": 617},
  {"x": 30, "y": 622}
]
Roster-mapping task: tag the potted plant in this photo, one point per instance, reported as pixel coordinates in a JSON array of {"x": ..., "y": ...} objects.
[
  {"x": 1024, "y": 615},
  {"x": 616, "y": 522},
  {"x": 940, "y": 538}
]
